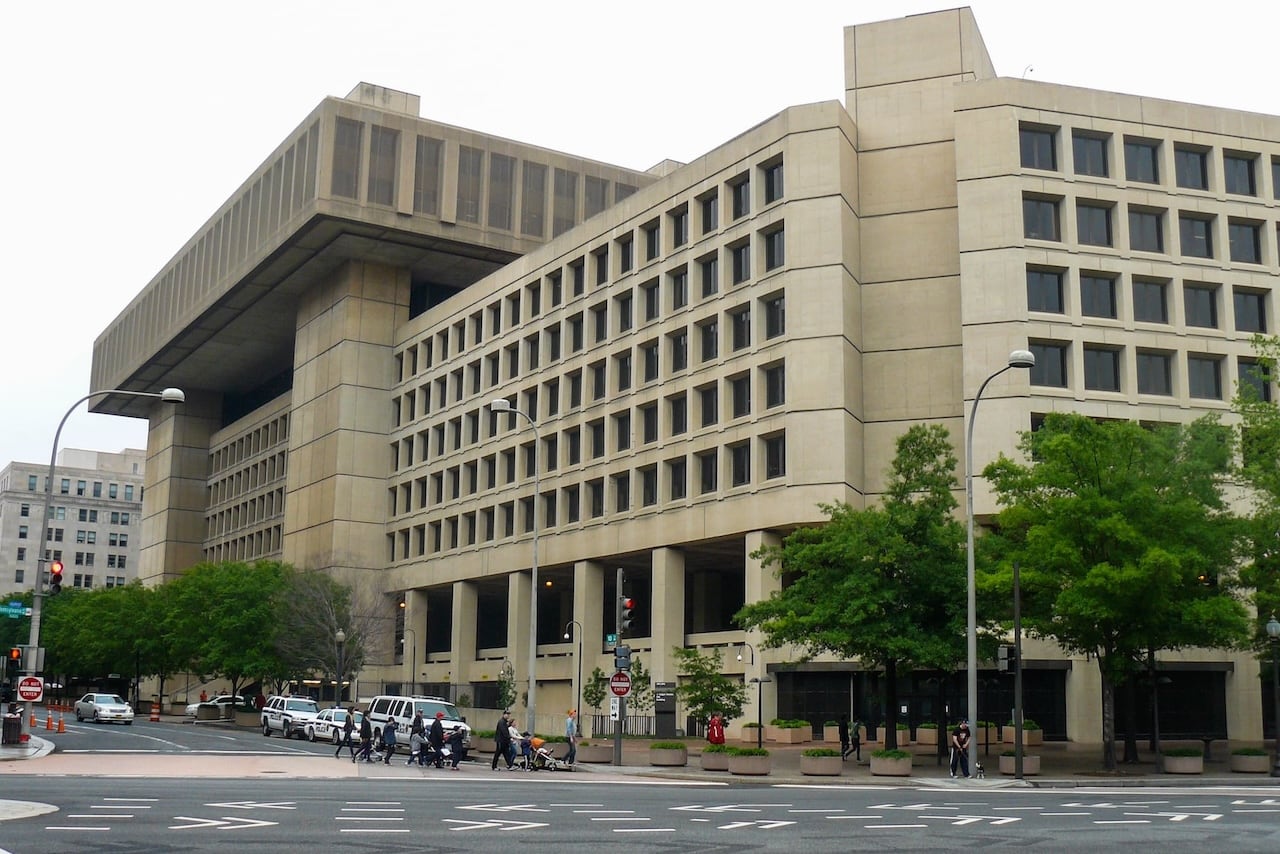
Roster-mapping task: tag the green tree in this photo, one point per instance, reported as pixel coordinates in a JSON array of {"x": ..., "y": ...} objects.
[
  {"x": 1259, "y": 468},
  {"x": 1124, "y": 541},
  {"x": 886, "y": 584},
  {"x": 506, "y": 686},
  {"x": 705, "y": 688},
  {"x": 641, "y": 697},
  {"x": 594, "y": 689}
]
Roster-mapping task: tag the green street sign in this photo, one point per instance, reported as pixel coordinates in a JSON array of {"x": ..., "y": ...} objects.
[{"x": 611, "y": 639}]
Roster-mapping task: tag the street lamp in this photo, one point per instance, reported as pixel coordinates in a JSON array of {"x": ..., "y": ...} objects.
[
  {"x": 169, "y": 395},
  {"x": 1273, "y": 632},
  {"x": 341, "y": 637},
  {"x": 413, "y": 650},
  {"x": 759, "y": 681},
  {"x": 750, "y": 649},
  {"x": 577, "y": 705},
  {"x": 501, "y": 404},
  {"x": 1017, "y": 359}
]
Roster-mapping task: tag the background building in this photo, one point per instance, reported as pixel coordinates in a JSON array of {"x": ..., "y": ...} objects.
[
  {"x": 706, "y": 351},
  {"x": 96, "y": 518}
]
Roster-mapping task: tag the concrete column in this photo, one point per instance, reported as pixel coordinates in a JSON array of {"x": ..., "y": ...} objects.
[
  {"x": 667, "y": 602},
  {"x": 463, "y": 640},
  {"x": 588, "y": 609},
  {"x": 518, "y": 592},
  {"x": 760, "y": 584},
  {"x": 415, "y": 644}
]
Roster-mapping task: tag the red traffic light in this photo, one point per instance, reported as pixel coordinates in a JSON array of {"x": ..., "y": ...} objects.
[
  {"x": 628, "y": 602},
  {"x": 55, "y": 577},
  {"x": 15, "y": 653},
  {"x": 55, "y": 568}
]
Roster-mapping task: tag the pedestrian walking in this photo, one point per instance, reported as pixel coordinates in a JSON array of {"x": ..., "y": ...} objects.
[
  {"x": 388, "y": 742},
  {"x": 348, "y": 729},
  {"x": 366, "y": 741},
  {"x": 571, "y": 736},
  {"x": 453, "y": 747},
  {"x": 435, "y": 737},
  {"x": 502, "y": 741},
  {"x": 960, "y": 749},
  {"x": 417, "y": 740},
  {"x": 715, "y": 729}
]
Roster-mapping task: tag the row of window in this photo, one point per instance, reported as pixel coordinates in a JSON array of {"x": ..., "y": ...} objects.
[
  {"x": 114, "y": 561},
  {"x": 91, "y": 538},
  {"x": 595, "y": 440},
  {"x": 116, "y": 517},
  {"x": 1194, "y": 166},
  {"x": 1098, "y": 297},
  {"x": 1103, "y": 367},
  {"x": 617, "y": 314},
  {"x": 675, "y": 479},
  {"x": 1198, "y": 233},
  {"x": 81, "y": 580},
  {"x": 83, "y": 490},
  {"x": 274, "y": 433}
]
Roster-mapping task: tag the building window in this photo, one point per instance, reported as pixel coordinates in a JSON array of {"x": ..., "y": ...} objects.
[
  {"x": 679, "y": 227},
  {"x": 623, "y": 362},
  {"x": 741, "y": 324},
  {"x": 649, "y": 422},
  {"x": 1044, "y": 290},
  {"x": 740, "y": 256},
  {"x": 1155, "y": 372},
  {"x": 470, "y": 183},
  {"x": 1201, "y": 304},
  {"x": 775, "y": 249},
  {"x": 740, "y": 391},
  {"x": 1250, "y": 310},
  {"x": 710, "y": 267},
  {"x": 772, "y": 182},
  {"x": 1093, "y": 224},
  {"x": 622, "y": 430},
  {"x": 1142, "y": 160},
  {"x": 595, "y": 494},
  {"x": 740, "y": 463},
  {"x": 578, "y": 275},
  {"x": 1238, "y": 173},
  {"x": 709, "y": 332},
  {"x": 502, "y": 191},
  {"x": 1246, "y": 241},
  {"x": 600, "y": 320},
  {"x": 1090, "y": 154},
  {"x": 601, "y": 259},
  {"x": 1149, "y": 303},
  {"x": 1145, "y": 230},
  {"x": 533, "y": 205},
  {"x": 626, "y": 254},
  {"x": 1101, "y": 369},
  {"x": 652, "y": 300},
  {"x": 679, "y": 406},
  {"x": 1204, "y": 377},
  {"x": 575, "y": 389},
  {"x": 775, "y": 386},
  {"x": 649, "y": 486},
  {"x": 710, "y": 206},
  {"x": 678, "y": 281},
  {"x": 708, "y": 471},
  {"x": 1255, "y": 382},
  {"x": 1051, "y": 365},
  {"x": 677, "y": 478},
  {"x": 679, "y": 349},
  {"x": 346, "y": 158},
  {"x": 1040, "y": 218},
  {"x": 709, "y": 403},
  {"x": 596, "y": 429},
  {"x": 426, "y": 175},
  {"x": 1195, "y": 235},
  {"x": 740, "y": 191},
  {"x": 573, "y": 441},
  {"x": 1191, "y": 168},
  {"x": 572, "y": 502},
  {"x": 649, "y": 355},
  {"x": 1097, "y": 295},
  {"x": 623, "y": 311},
  {"x": 622, "y": 492},
  {"x": 652, "y": 241},
  {"x": 1038, "y": 149},
  {"x": 775, "y": 456},
  {"x": 775, "y": 316}
]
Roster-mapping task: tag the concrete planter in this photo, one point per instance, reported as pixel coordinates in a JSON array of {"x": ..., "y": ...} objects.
[
  {"x": 208, "y": 713},
  {"x": 250, "y": 719},
  {"x": 749, "y": 735},
  {"x": 668, "y": 757},
  {"x": 483, "y": 745},
  {"x": 1030, "y": 765},
  {"x": 599, "y": 754},
  {"x": 831, "y": 735},
  {"x": 821, "y": 766},
  {"x": 1244, "y": 764},
  {"x": 714, "y": 761},
  {"x": 1183, "y": 764},
  {"x": 750, "y": 766},
  {"x": 926, "y": 735},
  {"x": 782, "y": 735},
  {"x": 1030, "y": 737},
  {"x": 890, "y": 767}
]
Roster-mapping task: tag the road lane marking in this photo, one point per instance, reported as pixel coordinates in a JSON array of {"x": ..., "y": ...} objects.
[
  {"x": 893, "y": 826},
  {"x": 644, "y": 830},
  {"x": 55, "y": 827},
  {"x": 1119, "y": 821}
]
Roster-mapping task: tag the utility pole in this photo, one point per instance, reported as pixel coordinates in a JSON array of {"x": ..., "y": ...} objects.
[{"x": 618, "y": 658}]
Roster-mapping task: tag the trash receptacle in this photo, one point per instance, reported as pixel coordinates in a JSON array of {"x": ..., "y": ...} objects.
[{"x": 12, "y": 733}]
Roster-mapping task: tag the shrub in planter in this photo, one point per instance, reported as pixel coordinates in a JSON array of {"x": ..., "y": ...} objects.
[
  {"x": 1009, "y": 764},
  {"x": 715, "y": 757},
  {"x": 891, "y": 763},
  {"x": 927, "y": 733},
  {"x": 668, "y": 753},
  {"x": 789, "y": 731},
  {"x": 595, "y": 753},
  {"x": 831, "y": 732},
  {"x": 751, "y": 732},
  {"x": 821, "y": 762},
  {"x": 1031, "y": 733},
  {"x": 751, "y": 761},
  {"x": 1250, "y": 760},
  {"x": 1183, "y": 760}
]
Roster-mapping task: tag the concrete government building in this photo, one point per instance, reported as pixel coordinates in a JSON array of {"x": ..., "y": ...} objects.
[{"x": 706, "y": 352}]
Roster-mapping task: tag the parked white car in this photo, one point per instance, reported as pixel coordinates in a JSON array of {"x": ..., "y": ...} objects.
[
  {"x": 101, "y": 708},
  {"x": 328, "y": 726},
  {"x": 222, "y": 701},
  {"x": 288, "y": 716}
]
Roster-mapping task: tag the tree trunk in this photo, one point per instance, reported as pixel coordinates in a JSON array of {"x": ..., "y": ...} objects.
[
  {"x": 891, "y": 705},
  {"x": 1131, "y": 722},
  {"x": 1108, "y": 718}
]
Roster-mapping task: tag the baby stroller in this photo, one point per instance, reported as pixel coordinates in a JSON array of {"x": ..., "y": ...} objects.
[{"x": 536, "y": 756}]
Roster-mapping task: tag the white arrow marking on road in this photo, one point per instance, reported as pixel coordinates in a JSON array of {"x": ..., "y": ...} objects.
[
  {"x": 725, "y": 808},
  {"x": 225, "y": 823},
  {"x": 1179, "y": 816},
  {"x": 1265, "y": 802},
  {"x": 924, "y": 806},
  {"x": 762, "y": 825},
  {"x": 256, "y": 805},
  {"x": 491, "y": 823},
  {"x": 961, "y": 820},
  {"x": 504, "y": 808}
]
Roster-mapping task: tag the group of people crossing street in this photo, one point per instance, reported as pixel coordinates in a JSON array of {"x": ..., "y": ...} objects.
[{"x": 427, "y": 744}]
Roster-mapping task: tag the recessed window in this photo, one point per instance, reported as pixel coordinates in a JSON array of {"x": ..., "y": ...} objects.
[
  {"x": 1191, "y": 168},
  {"x": 622, "y": 430},
  {"x": 709, "y": 268},
  {"x": 1204, "y": 377},
  {"x": 709, "y": 332},
  {"x": 652, "y": 241},
  {"x": 649, "y": 422},
  {"x": 1142, "y": 160},
  {"x": 623, "y": 363},
  {"x": 708, "y": 471},
  {"x": 1037, "y": 147},
  {"x": 1040, "y": 218},
  {"x": 740, "y": 394},
  {"x": 652, "y": 300},
  {"x": 1246, "y": 241},
  {"x": 775, "y": 386},
  {"x": 1275, "y": 177},
  {"x": 775, "y": 249},
  {"x": 1090, "y": 154},
  {"x": 740, "y": 195},
  {"x": 678, "y": 284},
  {"x": 649, "y": 356},
  {"x": 679, "y": 349},
  {"x": 679, "y": 227},
  {"x": 601, "y": 260},
  {"x": 677, "y": 478},
  {"x": 599, "y": 381},
  {"x": 1044, "y": 290},
  {"x": 1201, "y": 304},
  {"x": 741, "y": 324},
  {"x": 772, "y": 182},
  {"x": 1101, "y": 368},
  {"x": 623, "y": 311},
  {"x": 775, "y": 456},
  {"x": 1093, "y": 224},
  {"x": 596, "y": 430},
  {"x": 626, "y": 254},
  {"x": 678, "y": 406},
  {"x": 1155, "y": 372},
  {"x": 709, "y": 403},
  {"x": 1145, "y": 230},
  {"x": 600, "y": 320},
  {"x": 1195, "y": 236},
  {"x": 1250, "y": 310},
  {"x": 1097, "y": 295},
  {"x": 1149, "y": 303},
  {"x": 595, "y": 496},
  {"x": 1050, "y": 368},
  {"x": 1238, "y": 173},
  {"x": 710, "y": 206},
  {"x": 740, "y": 256},
  {"x": 740, "y": 463},
  {"x": 649, "y": 486},
  {"x": 1255, "y": 382},
  {"x": 775, "y": 316}
]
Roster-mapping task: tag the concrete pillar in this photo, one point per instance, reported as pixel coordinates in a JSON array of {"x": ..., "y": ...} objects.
[
  {"x": 588, "y": 609},
  {"x": 463, "y": 640},
  {"x": 520, "y": 587},
  {"x": 667, "y": 603},
  {"x": 760, "y": 584}
]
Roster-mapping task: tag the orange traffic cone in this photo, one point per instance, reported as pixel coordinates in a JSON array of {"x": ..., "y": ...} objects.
[
  {"x": 33, "y": 719},
  {"x": 155, "y": 712},
  {"x": 62, "y": 726},
  {"x": 48, "y": 720}
]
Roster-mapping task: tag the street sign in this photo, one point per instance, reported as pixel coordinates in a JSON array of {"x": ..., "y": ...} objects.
[
  {"x": 31, "y": 689},
  {"x": 614, "y": 708},
  {"x": 620, "y": 684},
  {"x": 15, "y": 610},
  {"x": 611, "y": 639}
]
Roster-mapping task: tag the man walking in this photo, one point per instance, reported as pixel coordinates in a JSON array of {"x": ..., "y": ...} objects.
[
  {"x": 366, "y": 741},
  {"x": 348, "y": 728},
  {"x": 502, "y": 741},
  {"x": 435, "y": 736}
]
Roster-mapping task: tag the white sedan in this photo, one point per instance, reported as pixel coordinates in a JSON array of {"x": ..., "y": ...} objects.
[
  {"x": 221, "y": 701},
  {"x": 101, "y": 708},
  {"x": 327, "y": 726}
]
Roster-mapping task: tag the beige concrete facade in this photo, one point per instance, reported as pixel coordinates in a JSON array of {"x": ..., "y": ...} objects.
[{"x": 707, "y": 351}]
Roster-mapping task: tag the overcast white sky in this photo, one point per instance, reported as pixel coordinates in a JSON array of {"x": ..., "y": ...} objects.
[{"x": 130, "y": 122}]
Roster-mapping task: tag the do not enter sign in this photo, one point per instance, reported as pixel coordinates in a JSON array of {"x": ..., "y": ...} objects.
[
  {"x": 620, "y": 684},
  {"x": 31, "y": 689}
]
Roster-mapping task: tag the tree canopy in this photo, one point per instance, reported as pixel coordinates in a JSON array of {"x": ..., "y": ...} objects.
[{"x": 1260, "y": 470}]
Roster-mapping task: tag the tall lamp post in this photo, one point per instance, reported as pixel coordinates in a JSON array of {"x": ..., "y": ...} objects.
[
  {"x": 577, "y": 703},
  {"x": 1017, "y": 359},
  {"x": 759, "y": 681},
  {"x": 501, "y": 404},
  {"x": 341, "y": 638},
  {"x": 1273, "y": 632},
  {"x": 169, "y": 395},
  {"x": 413, "y": 654}
]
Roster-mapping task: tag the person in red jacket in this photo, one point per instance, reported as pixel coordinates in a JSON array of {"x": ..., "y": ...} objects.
[{"x": 715, "y": 729}]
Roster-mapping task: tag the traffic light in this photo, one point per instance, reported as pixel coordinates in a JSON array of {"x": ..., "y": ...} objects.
[
  {"x": 55, "y": 578},
  {"x": 622, "y": 658},
  {"x": 625, "y": 607},
  {"x": 13, "y": 664},
  {"x": 1008, "y": 658}
]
